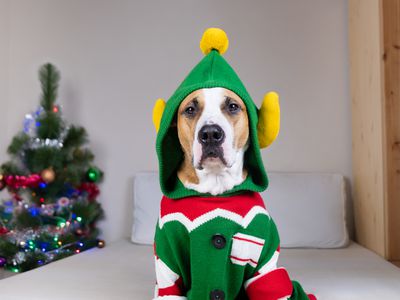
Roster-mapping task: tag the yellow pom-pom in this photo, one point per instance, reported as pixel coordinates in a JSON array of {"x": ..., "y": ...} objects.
[
  {"x": 268, "y": 120},
  {"x": 158, "y": 110},
  {"x": 214, "y": 39}
]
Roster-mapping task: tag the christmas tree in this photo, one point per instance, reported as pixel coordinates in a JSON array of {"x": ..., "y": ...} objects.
[{"x": 51, "y": 211}]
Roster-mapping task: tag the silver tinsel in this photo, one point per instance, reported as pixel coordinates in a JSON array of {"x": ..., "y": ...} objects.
[
  {"x": 30, "y": 125},
  {"x": 38, "y": 143},
  {"x": 20, "y": 257}
]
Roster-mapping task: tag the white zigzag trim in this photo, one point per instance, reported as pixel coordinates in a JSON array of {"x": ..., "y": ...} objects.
[{"x": 218, "y": 212}]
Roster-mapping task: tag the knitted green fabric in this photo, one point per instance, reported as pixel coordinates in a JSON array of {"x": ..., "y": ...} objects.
[
  {"x": 243, "y": 264},
  {"x": 212, "y": 71},
  {"x": 202, "y": 267}
]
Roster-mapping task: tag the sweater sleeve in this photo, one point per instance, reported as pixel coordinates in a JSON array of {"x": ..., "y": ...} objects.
[
  {"x": 169, "y": 284},
  {"x": 270, "y": 282}
]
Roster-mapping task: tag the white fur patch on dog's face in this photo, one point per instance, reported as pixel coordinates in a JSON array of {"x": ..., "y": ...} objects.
[
  {"x": 213, "y": 131},
  {"x": 212, "y": 115}
]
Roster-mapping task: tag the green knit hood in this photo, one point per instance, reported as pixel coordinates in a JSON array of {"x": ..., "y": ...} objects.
[{"x": 212, "y": 71}]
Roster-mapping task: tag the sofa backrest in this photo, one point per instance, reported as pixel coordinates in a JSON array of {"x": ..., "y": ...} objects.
[{"x": 309, "y": 209}]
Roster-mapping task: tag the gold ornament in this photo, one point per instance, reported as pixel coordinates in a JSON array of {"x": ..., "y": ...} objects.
[
  {"x": 48, "y": 175},
  {"x": 101, "y": 243}
]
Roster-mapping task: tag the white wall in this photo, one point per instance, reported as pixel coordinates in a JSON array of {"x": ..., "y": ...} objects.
[
  {"x": 4, "y": 39},
  {"x": 117, "y": 57}
]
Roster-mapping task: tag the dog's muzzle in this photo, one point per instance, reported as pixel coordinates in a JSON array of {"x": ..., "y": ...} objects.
[{"x": 211, "y": 138}]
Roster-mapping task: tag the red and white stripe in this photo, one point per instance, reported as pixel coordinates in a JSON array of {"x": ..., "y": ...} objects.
[
  {"x": 246, "y": 249},
  {"x": 169, "y": 284},
  {"x": 273, "y": 285},
  {"x": 170, "y": 298},
  {"x": 270, "y": 282}
]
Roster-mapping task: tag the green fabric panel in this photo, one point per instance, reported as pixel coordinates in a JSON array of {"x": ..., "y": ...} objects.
[
  {"x": 270, "y": 234},
  {"x": 174, "y": 251},
  {"x": 212, "y": 71},
  {"x": 298, "y": 292},
  {"x": 203, "y": 267}
]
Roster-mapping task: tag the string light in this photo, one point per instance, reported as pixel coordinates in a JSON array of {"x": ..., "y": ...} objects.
[{"x": 31, "y": 245}]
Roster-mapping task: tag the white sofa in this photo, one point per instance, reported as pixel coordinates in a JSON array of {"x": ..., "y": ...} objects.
[{"x": 332, "y": 267}]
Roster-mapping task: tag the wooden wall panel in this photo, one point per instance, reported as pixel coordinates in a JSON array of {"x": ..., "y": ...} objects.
[
  {"x": 367, "y": 122},
  {"x": 391, "y": 43}
]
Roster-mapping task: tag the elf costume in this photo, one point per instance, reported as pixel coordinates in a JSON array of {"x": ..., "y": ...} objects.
[{"x": 225, "y": 246}]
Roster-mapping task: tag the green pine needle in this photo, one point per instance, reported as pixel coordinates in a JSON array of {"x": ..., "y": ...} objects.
[
  {"x": 50, "y": 127},
  {"x": 49, "y": 79},
  {"x": 76, "y": 136},
  {"x": 17, "y": 143},
  {"x": 25, "y": 220},
  {"x": 7, "y": 248}
]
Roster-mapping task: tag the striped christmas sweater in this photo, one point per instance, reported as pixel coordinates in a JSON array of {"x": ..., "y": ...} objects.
[{"x": 221, "y": 248}]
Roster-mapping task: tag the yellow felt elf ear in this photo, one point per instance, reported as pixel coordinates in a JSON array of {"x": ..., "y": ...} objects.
[
  {"x": 158, "y": 110},
  {"x": 268, "y": 120}
]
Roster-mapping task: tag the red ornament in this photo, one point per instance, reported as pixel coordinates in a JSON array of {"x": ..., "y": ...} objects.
[
  {"x": 91, "y": 189},
  {"x": 3, "y": 230},
  {"x": 16, "y": 182}
]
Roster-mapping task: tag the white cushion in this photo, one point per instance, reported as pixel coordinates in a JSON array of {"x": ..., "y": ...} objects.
[
  {"x": 309, "y": 209},
  {"x": 146, "y": 198}
]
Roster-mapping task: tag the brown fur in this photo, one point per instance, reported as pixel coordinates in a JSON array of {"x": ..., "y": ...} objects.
[
  {"x": 239, "y": 122},
  {"x": 187, "y": 126},
  {"x": 186, "y": 129}
]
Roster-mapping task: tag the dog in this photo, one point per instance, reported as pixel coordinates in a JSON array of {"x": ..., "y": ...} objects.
[
  {"x": 214, "y": 237},
  {"x": 213, "y": 131}
]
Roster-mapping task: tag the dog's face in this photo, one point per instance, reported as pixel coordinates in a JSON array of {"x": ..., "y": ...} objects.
[{"x": 213, "y": 128}]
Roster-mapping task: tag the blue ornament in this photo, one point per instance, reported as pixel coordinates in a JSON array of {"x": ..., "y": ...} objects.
[{"x": 34, "y": 211}]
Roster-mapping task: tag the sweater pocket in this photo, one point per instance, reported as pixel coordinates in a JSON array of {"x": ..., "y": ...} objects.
[{"x": 246, "y": 249}]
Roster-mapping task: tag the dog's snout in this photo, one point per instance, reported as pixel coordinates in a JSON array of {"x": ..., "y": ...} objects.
[{"x": 211, "y": 135}]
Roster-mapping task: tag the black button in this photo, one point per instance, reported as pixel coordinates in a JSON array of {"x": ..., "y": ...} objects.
[
  {"x": 217, "y": 295},
  {"x": 218, "y": 241}
]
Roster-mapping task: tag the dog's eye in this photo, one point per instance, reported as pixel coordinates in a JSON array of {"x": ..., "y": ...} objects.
[
  {"x": 190, "y": 111},
  {"x": 233, "y": 107}
]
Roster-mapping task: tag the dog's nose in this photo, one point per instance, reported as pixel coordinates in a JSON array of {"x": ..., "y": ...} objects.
[{"x": 211, "y": 135}]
